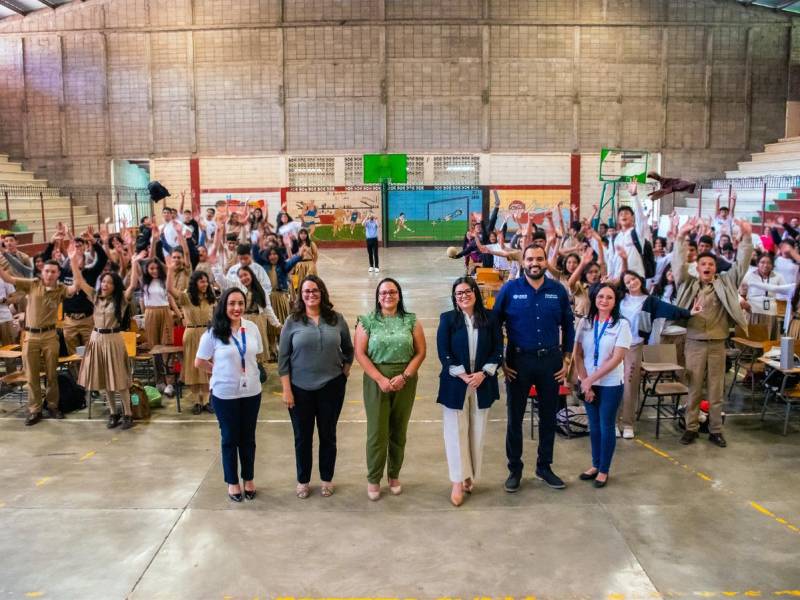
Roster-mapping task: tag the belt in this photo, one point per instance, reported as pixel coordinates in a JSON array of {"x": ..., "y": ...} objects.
[
  {"x": 40, "y": 329},
  {"x": 538, "y": 352},
  {"x": 195, "y": 326},
  {"x": 114, "y": 330},
  {"x": 76, "y": 316}
]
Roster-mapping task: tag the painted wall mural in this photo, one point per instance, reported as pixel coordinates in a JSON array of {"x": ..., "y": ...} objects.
[
  {"x": 431, "y": 215},
  {"x": 334, "y": 216}
]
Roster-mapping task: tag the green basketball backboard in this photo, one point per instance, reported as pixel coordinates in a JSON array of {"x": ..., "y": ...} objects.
[
  {"x": 388, "y": 167},
  {"x": 623, "y": 165}
]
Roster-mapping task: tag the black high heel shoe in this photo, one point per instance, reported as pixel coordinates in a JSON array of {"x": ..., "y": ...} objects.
[
  {"x": 587, "y": 476},
  {"x": 235, "y": 497},
  {"x": 250, "y": 495}
]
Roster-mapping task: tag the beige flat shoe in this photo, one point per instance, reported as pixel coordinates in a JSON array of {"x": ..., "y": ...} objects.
[
  {"x": 326, "y": 490},
  {"x": 395, "y": 487},
  {"x": 457, "y": 494},
  {"x": 303, "y": 490}
]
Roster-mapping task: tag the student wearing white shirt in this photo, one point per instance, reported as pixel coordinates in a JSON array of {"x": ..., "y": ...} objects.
[
  {"x": 169, "y": 230},
  {"x": 630, "y": 222},
  {"x": 601, "y": 341},
  {"x": 759, "y": 290},
  {"x": 786, "y": 263},
  {"x": 208, "y": 227},
  {"x": 229, "y": 351},
  {"x": 245, "y": 259},
  {"x": 723, "y": 222},
  {"x": 7, "y": 333}
]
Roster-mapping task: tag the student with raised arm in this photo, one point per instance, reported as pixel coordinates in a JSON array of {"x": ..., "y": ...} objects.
[
  {"x": 40, "y": 345},
  {"x": 707, "y": 331},
  {"x": 631, "y": 232},
  {"x": 105, "y": 366}
]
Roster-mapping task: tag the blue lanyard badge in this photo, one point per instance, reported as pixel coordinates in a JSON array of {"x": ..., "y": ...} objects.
[
  {"x": 241, "y": 348},
  {"x": 597, "y": 339}
]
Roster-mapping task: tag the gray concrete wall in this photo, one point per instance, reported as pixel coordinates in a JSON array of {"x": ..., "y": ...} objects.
[{"x": 702, "y": 81}]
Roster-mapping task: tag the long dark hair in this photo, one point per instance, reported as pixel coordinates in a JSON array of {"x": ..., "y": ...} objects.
[
  {"x": 480, "y": 314},
  {"x": 325, "y": 305},
  {"x": 259, "y": 297},
  {"x": 593, "y": 302},
  {"x": 624, "y": 288},
  {"x": 146, "y": 278},
  {"x": 796, "y": 298},
  {"x": 278, "y": 219},
  {"x": 662, "y": 284},
  {"x": 194, "y": 292},
  {"x": 401, "y": 309},
  {"x": 117, "y": 296},
  {"x": 220, "y": 323}
]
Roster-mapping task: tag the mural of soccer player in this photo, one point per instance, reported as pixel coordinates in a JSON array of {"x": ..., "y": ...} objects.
[{"x": 400, "y": 223}]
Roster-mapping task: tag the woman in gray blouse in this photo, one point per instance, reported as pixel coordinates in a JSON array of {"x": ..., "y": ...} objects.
[{"x": 314, "y": 360}]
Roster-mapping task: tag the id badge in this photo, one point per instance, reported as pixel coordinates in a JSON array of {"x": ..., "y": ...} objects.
[
  {"x": 766, "y": 304},
  {"x": 243, "y": 382}
]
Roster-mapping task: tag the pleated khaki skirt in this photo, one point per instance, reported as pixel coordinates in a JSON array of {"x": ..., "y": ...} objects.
[
  {"x": 190, "y": 374},
  {"x": 105, "y": 364},
  {"x": 280, "y": 304},
  {"x": 303, "y": 268},
  {"x": 158, "y": 326}
]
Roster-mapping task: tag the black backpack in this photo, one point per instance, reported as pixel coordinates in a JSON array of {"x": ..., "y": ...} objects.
[
  {"x": 647, "y": 254},
  {"x": 71, "y": 396}
]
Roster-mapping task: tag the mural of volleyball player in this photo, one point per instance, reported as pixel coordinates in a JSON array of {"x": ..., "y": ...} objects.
[
  {"x": 354, "y": 214},
  {"x": 310, "y": 217},
  {"x": 400, "y": 223},
  {"x": 448, "y": 217}
]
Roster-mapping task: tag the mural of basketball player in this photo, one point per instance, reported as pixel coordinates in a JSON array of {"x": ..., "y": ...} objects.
[
  {"x": 310, "y": 217},
  {"x": 400, "y": 223},
  {"x": 448, "y": 217}
]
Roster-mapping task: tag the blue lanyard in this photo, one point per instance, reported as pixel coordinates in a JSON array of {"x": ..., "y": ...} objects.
[
  {"x": 597, "y": 339},
  {"x": 242, "y": 349}
]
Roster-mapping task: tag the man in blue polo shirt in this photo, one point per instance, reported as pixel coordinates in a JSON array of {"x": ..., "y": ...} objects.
[{"x": 540, "y": 333}]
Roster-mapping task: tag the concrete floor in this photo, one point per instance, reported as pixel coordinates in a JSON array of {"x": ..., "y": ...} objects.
[{"x": 89, "y": 513}]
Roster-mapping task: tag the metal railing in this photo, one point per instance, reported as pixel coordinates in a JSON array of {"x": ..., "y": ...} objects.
[
  {"x": 772, "y": 182},
  {"x": 123, "y": 202}
]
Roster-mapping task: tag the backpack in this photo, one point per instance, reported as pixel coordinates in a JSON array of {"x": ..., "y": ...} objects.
[
  {"x": 140, "y": 406},
  {"x": 571, "y": 422},
  {"x": 647, "y": 254},
  {"x": 71, "y": 396}
]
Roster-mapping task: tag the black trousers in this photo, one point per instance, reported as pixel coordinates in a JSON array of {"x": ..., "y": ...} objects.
[
  {"x": 237, "y": 425},
  {"x": 532, "y": 370},
  {"x": 322, "y": 406},
  {"x": 372, "y": 251}
]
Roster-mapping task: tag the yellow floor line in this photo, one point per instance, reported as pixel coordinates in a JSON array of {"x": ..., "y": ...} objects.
[
  {"x": 42, "y": 481},
  {"x": 709, "y": 479},
  {"x": 88, "y": 455}
]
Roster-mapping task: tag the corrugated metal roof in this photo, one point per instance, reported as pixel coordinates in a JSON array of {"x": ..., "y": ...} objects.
[
  {"x": 790, "y": 6},
  {"x": 23, "y": 7}
]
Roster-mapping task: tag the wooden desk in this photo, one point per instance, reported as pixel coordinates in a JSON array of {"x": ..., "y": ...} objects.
[
  {"x": 10, "y": 354},
  {"x": 661, "y": 367}
]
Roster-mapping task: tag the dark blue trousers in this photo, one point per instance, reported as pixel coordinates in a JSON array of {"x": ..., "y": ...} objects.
[
  {"x": 532, "y": 370},
  {"x": 237, "y": 425},
  {"x": 602, "y": 415}
]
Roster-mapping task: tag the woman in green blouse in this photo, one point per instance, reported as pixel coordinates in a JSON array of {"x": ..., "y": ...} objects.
[{"x": 390, "y": 347}]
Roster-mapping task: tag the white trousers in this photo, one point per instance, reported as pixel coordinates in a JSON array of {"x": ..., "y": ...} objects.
[{"x": 463, "y": 439}]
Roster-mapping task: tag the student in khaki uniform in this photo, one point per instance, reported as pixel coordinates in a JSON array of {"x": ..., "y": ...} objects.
[
  {"x": 41, "y": 342},
  {"x": 707, "y": 331}
]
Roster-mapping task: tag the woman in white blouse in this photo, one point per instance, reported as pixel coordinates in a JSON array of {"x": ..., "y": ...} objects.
[
  {"x": 758, "y": 291},
  {"x": 229, "y": 351},
  {"x": 470, "y": 346},
  {"x": 601, "y": 341}
]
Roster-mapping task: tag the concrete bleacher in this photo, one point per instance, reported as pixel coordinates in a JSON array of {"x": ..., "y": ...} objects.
[
  {"x": 25, "y": 192},
  {"x": 778, "y": 166}
]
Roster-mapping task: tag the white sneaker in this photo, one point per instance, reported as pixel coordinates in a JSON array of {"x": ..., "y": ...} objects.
[
  {"x": 377, "y": 270},
  {"x": 619, "y": 433},
  {"x": 627, "y": 433},
  {"x": 371, "y": 269},
  {"x": 169, "y": 390}
]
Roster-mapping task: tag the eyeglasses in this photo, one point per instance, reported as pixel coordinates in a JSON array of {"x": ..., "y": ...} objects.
[
  {"x": 384, "y": 294},
  {"x": 464, "y": 294},
  {"x": 311, "y": 292}
]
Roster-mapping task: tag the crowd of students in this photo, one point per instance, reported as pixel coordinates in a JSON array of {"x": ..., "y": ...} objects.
[
  {"x": 579, "y": 304},
  {"x": 169, "y": 273}
]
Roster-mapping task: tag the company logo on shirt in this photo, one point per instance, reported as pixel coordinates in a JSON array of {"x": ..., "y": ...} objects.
[
  {"x": 520, "y": 296},
  {"x": 551, "y": 296}
]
